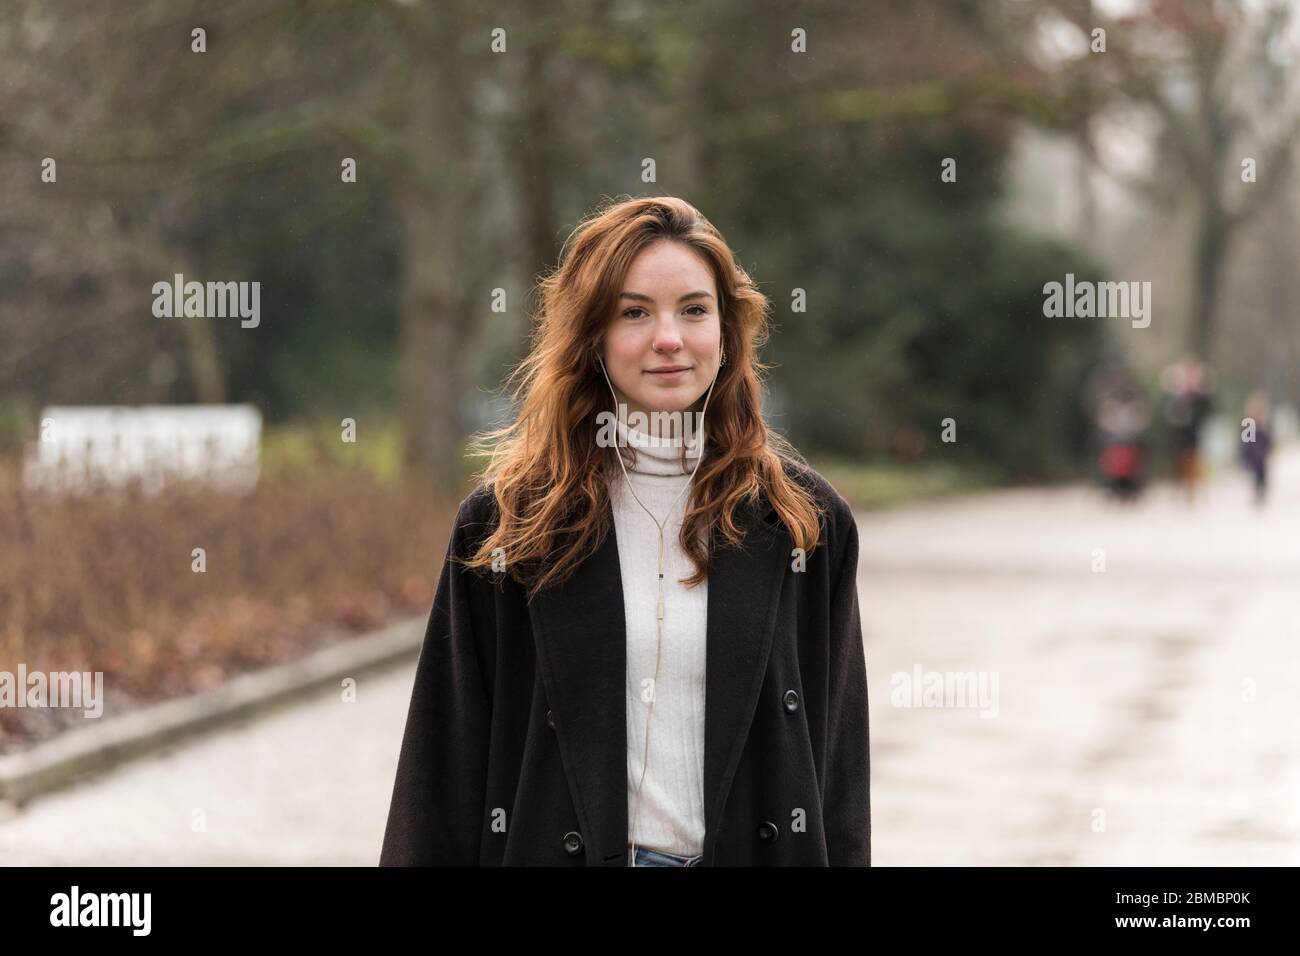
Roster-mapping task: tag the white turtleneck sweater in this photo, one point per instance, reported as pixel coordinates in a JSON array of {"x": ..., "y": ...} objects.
[{"x": 670, "y": 811}]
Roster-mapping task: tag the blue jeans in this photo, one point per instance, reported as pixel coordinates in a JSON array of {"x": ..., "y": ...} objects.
[{"x": 648, "y": 857}]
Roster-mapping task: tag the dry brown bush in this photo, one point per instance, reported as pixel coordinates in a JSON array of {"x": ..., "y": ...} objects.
[{"x": 104, "y": 582}]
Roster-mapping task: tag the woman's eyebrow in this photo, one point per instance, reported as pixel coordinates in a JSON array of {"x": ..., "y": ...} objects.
[{"x": 640, "y": 297}]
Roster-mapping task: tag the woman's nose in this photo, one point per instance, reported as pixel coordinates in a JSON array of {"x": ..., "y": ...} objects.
[{"x": 666, "y": 337}]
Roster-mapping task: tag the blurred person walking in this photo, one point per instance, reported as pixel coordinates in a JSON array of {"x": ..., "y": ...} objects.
[
  {"x": 1256, "y": 448},
  {"x": 1189, "y": 401},
  {"x": 1121, "y": 428},
  {"x": 1114, "y": 398}
]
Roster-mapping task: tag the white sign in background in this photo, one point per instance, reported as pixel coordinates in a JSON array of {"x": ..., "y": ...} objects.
[{"x": 81, "y": 448}]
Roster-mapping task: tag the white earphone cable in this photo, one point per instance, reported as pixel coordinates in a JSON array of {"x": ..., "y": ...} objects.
[{"x": 659, "y": 605}]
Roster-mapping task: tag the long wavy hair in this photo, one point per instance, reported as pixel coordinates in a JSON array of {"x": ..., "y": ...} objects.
[{"x": 549, "y": 475}]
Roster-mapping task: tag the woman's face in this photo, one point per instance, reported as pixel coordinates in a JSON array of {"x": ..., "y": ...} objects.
[{"x": 663, "y": 343}]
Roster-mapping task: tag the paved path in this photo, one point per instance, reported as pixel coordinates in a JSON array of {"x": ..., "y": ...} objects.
[
  {"x": 306, "y": 785},
  {"x": 1147, "y": 714}
]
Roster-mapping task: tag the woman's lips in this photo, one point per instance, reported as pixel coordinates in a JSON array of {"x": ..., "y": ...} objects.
[{"x": 674, "y": 376}]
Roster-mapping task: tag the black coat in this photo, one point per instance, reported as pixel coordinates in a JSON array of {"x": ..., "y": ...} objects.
[{"x": 515, "y": 749}]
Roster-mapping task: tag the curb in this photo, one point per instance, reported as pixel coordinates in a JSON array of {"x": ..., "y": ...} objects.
[{"x": 55, "y": 763}]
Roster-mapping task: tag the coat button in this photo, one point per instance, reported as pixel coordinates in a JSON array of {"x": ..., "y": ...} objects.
[
  {"x": 791, "y": 701},
  {"x": 767, "y": 832},
  {"x": 573, "y": 843},
  {"x": 550, "y": 720}
]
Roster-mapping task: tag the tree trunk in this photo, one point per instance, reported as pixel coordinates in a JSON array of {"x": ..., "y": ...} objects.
[
  {"x": 534, "y": 151},
  {"x": 1212, "y": 243},
  {"x": 438, "y": 204},
  {"x": 201, "y": 358},
  {"x": 431, "y": 343}
]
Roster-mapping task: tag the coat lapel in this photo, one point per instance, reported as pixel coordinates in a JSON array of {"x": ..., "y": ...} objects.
[
  {"x": 744, "y": 591},
  {"x": 581, "y": 638},
  {"x": 580, "y": 635}
]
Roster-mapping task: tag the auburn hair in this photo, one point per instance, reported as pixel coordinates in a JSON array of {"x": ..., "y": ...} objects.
[{"x": 548, "y": 474}]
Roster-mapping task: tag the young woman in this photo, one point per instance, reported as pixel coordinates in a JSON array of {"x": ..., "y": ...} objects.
[{"x": 645, "y": 647}]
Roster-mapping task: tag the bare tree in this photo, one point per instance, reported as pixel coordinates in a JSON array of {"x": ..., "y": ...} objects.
[{"x": 1221, "y": 77}]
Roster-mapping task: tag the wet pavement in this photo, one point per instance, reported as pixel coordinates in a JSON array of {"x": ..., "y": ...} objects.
[{"x": 1147, "y": 713}]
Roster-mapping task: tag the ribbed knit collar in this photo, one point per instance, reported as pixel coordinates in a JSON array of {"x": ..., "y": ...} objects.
[{"x": 662, "y": 457}]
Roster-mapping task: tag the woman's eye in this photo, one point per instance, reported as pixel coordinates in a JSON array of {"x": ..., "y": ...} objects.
[{"x": 700, "y": 310}]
